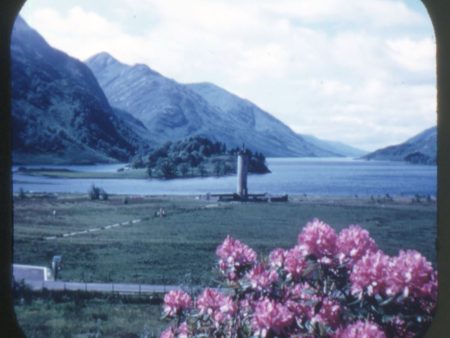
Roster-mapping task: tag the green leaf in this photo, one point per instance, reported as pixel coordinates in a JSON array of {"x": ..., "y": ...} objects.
[{"x": 387, "y": 301}]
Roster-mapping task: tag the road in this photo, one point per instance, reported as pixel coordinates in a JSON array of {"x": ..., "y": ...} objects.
[{"x": 122, "y": 288}]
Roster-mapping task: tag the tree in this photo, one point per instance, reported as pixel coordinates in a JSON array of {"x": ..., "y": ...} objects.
[{"x": 168, "y": 169}]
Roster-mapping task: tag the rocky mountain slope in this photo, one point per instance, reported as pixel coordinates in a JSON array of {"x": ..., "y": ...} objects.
[
  {"x": 421, "y": 149},
  {"x": 60, "y": 113},
  {"x": 174, "y": 111}
]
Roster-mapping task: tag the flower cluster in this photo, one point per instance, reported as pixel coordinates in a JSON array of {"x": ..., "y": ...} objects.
[
  {"x": 261, "y": 278},
  {"x": 360, "y": 329},
  {"x": 295, "y": 262},
  {"x": 319, "y": 240},
  {"x": 411, "y": 274},
  {"x": 216, "y": 305},
  {"x": 271, "y": 316},
  {"x": 370, "y": 273},
  {"x": 353, "y": 243},
  {"x": 182, "y": 331},
  {"x": 235, "y": 258},
  {"x": 175, "y": 302},
  {"x": 328, "y": 285}
]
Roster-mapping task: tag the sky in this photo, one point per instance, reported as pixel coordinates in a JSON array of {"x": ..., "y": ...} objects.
[{"x": 360, "y": 72}]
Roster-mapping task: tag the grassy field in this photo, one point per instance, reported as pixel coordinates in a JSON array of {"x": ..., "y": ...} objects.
[{"x": 180, "y": 248}]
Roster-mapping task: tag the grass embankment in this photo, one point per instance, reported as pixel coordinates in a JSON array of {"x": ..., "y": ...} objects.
[
  {"x": 181, "y": 247},
  {"x": 84, "y": 315}
]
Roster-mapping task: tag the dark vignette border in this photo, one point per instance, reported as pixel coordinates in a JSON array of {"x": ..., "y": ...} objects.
[{"x": 439, "y": 11}]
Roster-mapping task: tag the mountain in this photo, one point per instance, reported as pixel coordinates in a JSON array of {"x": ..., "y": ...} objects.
[
  {"x": 60, "y": 114},
  {"x": 257, "y": 128},
  {"x": 421, "y": 149},
  {"x": 338, "y": 147},
  {"x": 174, "y": 111},
  {"x": 169, "y": 110}
]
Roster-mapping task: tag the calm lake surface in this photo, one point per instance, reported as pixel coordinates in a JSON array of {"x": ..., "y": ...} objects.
[{"x": 294, "y": 176}]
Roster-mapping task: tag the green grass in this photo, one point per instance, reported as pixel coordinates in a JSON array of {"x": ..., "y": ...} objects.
[
  {"x": 66, "y": 315},
  {"x": 181, "y": 247}
]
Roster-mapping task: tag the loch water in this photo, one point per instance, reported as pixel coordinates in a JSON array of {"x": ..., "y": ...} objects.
[{"x": 293, "y": 176}]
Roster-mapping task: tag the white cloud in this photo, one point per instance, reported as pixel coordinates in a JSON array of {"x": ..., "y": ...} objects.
[
  {"x": 378, "y": 13},
  {"x": 414, "y": 55},
  {"x": 82, "y": 33},
  {"x": 356, "y": 71}
]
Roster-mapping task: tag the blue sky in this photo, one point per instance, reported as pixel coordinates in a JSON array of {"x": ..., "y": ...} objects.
[{"x": 361, "y": 72}]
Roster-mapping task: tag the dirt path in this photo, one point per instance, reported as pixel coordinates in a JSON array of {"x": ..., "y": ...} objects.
[{"x": 105, "y": 227}]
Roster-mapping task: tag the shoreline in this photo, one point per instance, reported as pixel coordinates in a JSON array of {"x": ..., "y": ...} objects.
[{"x": 338, "y": 200}]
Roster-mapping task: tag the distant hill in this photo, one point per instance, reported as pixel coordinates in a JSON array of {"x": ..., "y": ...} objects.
[
  {"x": 173, "y": 111},
  {"x": 339, "y": 148},
  {"x": 59, "y": 112},
  {"x": 420, "y": 149}
]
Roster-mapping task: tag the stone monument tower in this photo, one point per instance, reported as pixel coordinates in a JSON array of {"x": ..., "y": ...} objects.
[{"x": 242, "y": 170}]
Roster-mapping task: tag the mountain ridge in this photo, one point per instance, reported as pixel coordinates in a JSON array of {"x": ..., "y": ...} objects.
[
  {"x": 59, "y": 112},
  {"x": 419, "y": 149}
]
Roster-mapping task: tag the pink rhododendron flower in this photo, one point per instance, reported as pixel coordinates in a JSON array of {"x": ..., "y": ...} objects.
[
  {"x": 176, "y": 301},
  {"x": 360, "y": 329},
  {"x": 168, "y": 333},
  {"x": 276, "y": 258},
  {"x": 295, "y": 261},
  {"x": 369, "y": 274},
  {"x": 300, "y": 300},
  {"x": 353, "y": 243},
  {"x": 183, "y": 330},
  {"x": 270, "y": 315},
  {"x": 260, "y": 278},
  {"x": 216, "y": 305},
  {"x": 412, "y": 275},
  {"x": 319, "y": 239},
  {"x": 329, "y": 313},
  {"x": 234, "y": 256}
]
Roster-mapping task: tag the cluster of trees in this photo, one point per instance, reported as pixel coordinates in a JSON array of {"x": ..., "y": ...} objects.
[{"x": 196, "y": 156}]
